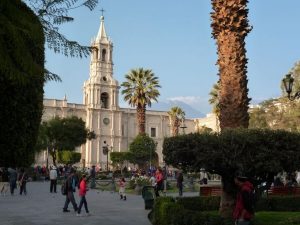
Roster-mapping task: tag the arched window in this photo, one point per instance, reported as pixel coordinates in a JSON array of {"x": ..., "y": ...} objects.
[
  {"x": 95, "y": 53},
  {"x": 103, "y": 54},
  {"x": 104, "y": 100}
]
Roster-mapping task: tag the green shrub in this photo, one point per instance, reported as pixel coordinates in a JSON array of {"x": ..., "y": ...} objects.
[
  {"x": 200, "y": 203},
  {"x": 156, "y": 214},
  {"x": 168, "y": 212},
  {"x": 278, "y": 203}
]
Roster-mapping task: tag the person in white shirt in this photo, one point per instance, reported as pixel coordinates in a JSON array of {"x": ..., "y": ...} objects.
[{"x": 53, "y": 179}]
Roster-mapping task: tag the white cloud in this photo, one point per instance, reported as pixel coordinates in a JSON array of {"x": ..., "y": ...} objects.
[{"x": 190, "y": 100}]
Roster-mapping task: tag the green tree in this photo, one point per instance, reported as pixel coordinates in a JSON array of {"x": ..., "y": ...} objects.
[
  {"x": 176, "y": 115},
  {"x": 68, "y": 157},
  {"x": 52, "y": 14},
  {"x": 276, "y": 114},
  {"x": 142, "y": 150},
  {"x": 60, "y": 134},
  {"x": 21, "y": 82},
  {"x": 119, "y": 158},
  {"x": 139, "y": 90},
  {"x": 259, "y": 154},
  {"x": 230, "y": 28}
]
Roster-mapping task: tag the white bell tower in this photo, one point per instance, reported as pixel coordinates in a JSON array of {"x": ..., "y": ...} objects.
[{"x": 100, "y": 96}]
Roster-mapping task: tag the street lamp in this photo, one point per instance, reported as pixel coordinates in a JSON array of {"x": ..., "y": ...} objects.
[
  {"x": 105, "y": 152},
  {"x": 288, "y": 82}
]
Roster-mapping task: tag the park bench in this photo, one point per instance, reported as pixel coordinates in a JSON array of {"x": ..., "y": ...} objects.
[
  {"x": 281, "y": 191},
  {"x": 210, "y": 191}
]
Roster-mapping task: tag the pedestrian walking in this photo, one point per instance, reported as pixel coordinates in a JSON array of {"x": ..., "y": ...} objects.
[
  {"x": 159, "y": 178},
  {"x": 152, "y": 180},
  {"x": 93, "y": 177},
  {"x": 113, "y": 185},
  {"x": 82, "y": 193},
  {"x": 22, "y": 180},
  {"x": 53, "y": 179},
  {"x": 122, "y": 184},
  {"x": 12, "y": 179},
  {"x": 179, "y": 180},
  {"x": 70, "y": 189},
  {"x": 244, "y": 208}
]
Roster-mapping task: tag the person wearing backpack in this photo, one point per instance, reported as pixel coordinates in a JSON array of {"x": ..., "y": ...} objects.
[
  {"x": 70, "y": 186},
  {"x": 244, "y": 206}
]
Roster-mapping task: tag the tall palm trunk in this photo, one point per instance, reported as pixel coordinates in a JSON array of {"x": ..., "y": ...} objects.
[
  {"x": 230, "y": 27},
  {"x": 175, "y": 127},
  {"x": 141, "y": 118}
]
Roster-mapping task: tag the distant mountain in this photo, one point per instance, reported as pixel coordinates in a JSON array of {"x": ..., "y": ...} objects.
[{"x": 190, "y": 112}]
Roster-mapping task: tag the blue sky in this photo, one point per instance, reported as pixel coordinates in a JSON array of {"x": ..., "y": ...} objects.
[{"x": 173, "y": 38}]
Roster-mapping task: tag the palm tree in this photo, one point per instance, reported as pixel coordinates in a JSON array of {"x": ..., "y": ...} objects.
[
  {"x": 214, "y": 101},
  {"x": 140, "y": 89},
  {"x": 176, "y": 115},
  {"x": 230, "y": 27}
]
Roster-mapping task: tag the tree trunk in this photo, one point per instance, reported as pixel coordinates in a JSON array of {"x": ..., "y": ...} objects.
[
  {"x": 175, "y": 126},
  {"x": 227, "y": 199},
  {"x": 230, "y": 27},
  {"x": 141, "y": 118},
  {"x": 53, "y": 154}
]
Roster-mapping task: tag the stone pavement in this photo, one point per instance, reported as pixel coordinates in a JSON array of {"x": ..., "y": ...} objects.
[{"x": 40, "y": 207}]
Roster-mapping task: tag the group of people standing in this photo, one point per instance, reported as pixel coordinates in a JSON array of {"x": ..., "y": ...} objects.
[{"x": 10, "y": 179}]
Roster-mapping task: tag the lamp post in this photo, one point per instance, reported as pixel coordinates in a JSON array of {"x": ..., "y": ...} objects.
[
  {"x": 105, "y": 152},
  {"x": 288, "y": 82}
]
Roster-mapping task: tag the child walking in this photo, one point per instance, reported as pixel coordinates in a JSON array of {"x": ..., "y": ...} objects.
[
  {"x": 82, "y": 192},
  {"x": 122, "y": 184}
]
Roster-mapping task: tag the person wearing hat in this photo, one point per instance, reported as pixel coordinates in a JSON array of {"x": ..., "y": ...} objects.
[
  {"x": 244, "y": 206},
  {"x": 53, "y": 179}
]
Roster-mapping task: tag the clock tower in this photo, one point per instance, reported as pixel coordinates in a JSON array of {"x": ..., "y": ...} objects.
[{"x": 100, "y": 96}]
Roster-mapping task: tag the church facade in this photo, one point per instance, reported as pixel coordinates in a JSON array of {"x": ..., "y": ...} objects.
[{"x": 114, "y": 127}]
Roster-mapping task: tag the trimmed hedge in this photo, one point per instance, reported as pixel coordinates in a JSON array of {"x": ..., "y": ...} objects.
[
  {"x": 168, "y": 212},
  {"x": 204, "y": 210},
  {"x": 200, "y": 203},
  {"x": 279, "y": 203}
]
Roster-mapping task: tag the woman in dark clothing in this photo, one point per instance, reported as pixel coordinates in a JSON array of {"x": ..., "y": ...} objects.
[{"x": 22, "y": 179}]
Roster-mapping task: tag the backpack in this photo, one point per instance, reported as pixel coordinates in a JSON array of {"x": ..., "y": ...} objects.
[{"x": 64, "y": 190}]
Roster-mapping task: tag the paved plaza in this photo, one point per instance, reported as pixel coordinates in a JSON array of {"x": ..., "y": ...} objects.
[{"x": 40, "y": 207}]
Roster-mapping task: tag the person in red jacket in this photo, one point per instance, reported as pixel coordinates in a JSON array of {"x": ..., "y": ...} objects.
[
  {"x": 159, "y": 178},
  {"x": 244, "y": 206},
  {"x": 82, "y": 192}
]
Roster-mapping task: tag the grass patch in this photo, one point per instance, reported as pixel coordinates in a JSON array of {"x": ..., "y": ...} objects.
[{"x": 277, "y": 218}]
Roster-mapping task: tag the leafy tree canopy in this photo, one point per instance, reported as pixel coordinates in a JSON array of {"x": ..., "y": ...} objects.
[
  {"x": 60, "y": 134},
  {"x": 275, "y": 114},
  {"x": 142, "y": 150},
  {"x": 21, "y": 82},
  {"x": 68, "y": 157},
  {"x": 256, "y": 153}
]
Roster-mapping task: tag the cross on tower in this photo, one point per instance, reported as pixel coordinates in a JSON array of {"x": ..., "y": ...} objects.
[{"x": 102, "y": 11}]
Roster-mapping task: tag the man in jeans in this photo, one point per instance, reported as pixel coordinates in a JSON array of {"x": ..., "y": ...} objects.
[
  {"x": 244, "y": 210},
  {"x": 71, "y": 187},
  {"x": 53, "y": 179}
]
